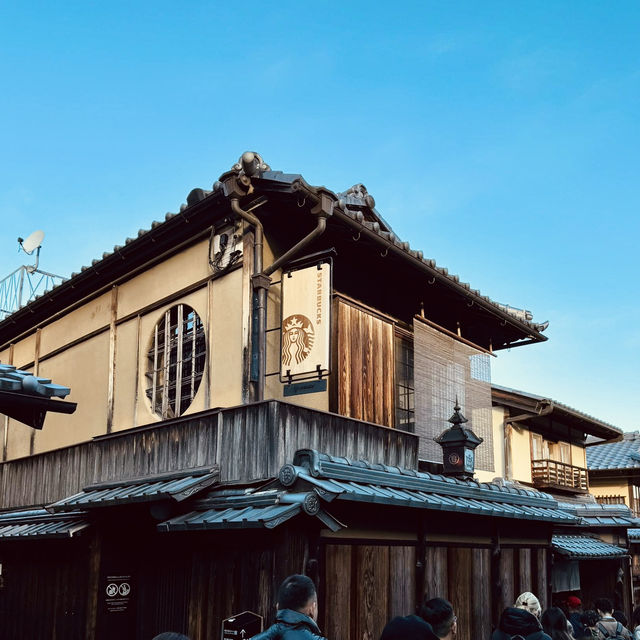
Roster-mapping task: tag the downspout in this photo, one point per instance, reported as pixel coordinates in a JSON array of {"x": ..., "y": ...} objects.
[{"x": 322, "y": 207}]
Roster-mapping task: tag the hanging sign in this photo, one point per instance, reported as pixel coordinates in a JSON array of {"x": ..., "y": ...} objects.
[
  {"x": 243, "y": 626},
  {"x": 306, "y": 323}
]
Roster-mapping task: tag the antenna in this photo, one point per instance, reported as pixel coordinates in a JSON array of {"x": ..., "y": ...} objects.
[{"x": 13, "y": 286}]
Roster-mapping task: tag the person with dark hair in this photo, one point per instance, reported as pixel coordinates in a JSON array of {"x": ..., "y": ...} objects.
[
  {"x": 589, "y": 620},
  {"x": 554, "y": 623},
  {"x": 608, "y": 626},
  {"x": 297, "y": 612},
  {"x": 515, "y": 621},
  {"x": 408, "y": 628},
  {"x": 438, "y": 612},
  {"x": 635, "y": 623},
  {"x": 170, "y": 635}
]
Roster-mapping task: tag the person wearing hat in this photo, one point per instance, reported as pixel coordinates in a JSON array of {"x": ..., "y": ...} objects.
[
  {"x": 574, "y": 607},
  {"x": 408, "y": 628}
]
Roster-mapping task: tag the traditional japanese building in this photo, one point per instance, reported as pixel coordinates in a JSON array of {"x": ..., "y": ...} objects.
[{"x": 259, "y": 380}]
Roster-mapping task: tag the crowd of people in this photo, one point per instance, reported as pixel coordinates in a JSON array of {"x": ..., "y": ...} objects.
[{"x": 297, "y": 605}]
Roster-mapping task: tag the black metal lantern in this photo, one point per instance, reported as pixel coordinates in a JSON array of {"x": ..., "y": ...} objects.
[{"x": 458, "y": 447}]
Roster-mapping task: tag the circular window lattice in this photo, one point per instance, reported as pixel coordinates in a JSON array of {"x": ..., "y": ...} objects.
[{"x": 176, "y": 361}]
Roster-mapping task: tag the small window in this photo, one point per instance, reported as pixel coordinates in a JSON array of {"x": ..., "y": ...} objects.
[
  {"x": 176, "y": 361},
  {"x": 405, "y": 399}
]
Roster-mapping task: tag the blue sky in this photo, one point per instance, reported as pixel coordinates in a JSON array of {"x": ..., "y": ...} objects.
[{"x": 501, "y": 138}]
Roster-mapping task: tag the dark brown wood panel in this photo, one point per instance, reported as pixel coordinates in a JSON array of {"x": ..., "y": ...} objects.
[
  {"x": 402, "y": 575},
  {"x": 460, "y": 595},
  {"x": 372, "y": 579},
  {"x": 436, "y": 577},
  {"x": 542, "y": 577},
  {"x": 365, "y": 365},
  {"x": 507, "y": 595},
  {"x": 480, "y": 603},
  {"x": 337, "y": 614},
  {"x": 524, "y": 578}
]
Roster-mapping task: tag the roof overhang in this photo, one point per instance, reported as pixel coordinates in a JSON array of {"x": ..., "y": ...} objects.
[
  {"x": 32, "y": 410},
  {"x": 585, "y": 548},
  {"x": 539, "y": 411}
]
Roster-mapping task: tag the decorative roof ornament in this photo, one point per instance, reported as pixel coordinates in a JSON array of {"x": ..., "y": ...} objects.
[{"x": 250, "y": 163}]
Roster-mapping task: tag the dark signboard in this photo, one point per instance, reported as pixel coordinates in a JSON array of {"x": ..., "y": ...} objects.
[
  {"x": 117, "y": 594},
  {"x": 243, "y": 626}
]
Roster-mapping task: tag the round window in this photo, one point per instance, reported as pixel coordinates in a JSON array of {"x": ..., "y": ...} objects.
[{"x": 175, "y": 361}]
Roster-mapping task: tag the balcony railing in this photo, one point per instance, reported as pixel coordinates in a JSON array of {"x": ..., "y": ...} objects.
[{"x": 559, "y": 475}]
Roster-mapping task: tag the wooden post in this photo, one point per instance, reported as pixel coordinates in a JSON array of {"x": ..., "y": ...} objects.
[{"x": 95, "y": 556}]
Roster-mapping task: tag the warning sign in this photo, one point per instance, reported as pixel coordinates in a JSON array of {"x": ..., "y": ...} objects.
[{"x": 118, "y": 594}]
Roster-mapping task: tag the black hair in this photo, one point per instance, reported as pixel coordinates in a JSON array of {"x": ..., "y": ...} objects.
[
  {"x": 170, "y": 635},
  {"x": 295, "y": 592},
  {"x": 589, "y": 618},
  {"x": 620, "y": 617},
  {"x": 604, "y": 605},
  {"x": 635, "y": 617},
  {"x": 438, "y": 612},
  {"x": 554, "y": 623}
]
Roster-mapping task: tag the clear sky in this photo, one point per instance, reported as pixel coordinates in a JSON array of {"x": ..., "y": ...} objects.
[{"x": 501, "y": 138}]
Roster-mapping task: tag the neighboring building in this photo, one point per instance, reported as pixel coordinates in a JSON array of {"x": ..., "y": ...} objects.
[
  {"x": 259, "y": 380},
  {"x": 614, "y": 476},
  {"x": 546, "y": 444}
]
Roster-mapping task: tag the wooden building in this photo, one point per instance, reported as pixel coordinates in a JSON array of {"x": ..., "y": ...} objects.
[{"x": 259, "y": 380}]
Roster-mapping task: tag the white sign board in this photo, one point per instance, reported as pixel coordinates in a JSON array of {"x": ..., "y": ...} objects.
[{"x": 306, "y": 323}]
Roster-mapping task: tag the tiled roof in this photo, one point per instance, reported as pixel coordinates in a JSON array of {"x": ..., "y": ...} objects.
[
  {"x": 354, "y": 203},
  {"x": 616, "y": 455},
  {"x": 600, "y": 515},
  {"x": 19, "y": 381},
  {"x": 634, "y": 535},
  {"x": 586, "y": 547},
  {"x": 39, "y": 523},
  {"x": 360, "y": 481},
  {"x": 250, "y": 510},
  {"x": 175, "y": 486}
]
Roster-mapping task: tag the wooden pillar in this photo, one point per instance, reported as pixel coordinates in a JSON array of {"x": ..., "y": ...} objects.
[{"x": 93, "y": 595}]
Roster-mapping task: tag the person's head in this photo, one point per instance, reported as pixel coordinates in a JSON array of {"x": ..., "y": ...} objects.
[
  {"x": 298, "y": 593},
  {"x": 170, "y": 635},
  {"x": 439, "y": 614},
  {"x": 635, "y": 617},
  {"x": 528, "y": 602},
  {"x": 604, "y": 606},
  {"x": 554, "y": 623},
  {"x": 589, "y": 618},
  {"x": 408, "y": 628},
  {"x": 620, "y": 617},
  {"x": 573, "y": 603}
]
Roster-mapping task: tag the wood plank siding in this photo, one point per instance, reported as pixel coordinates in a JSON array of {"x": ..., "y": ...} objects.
[
  {"x": 248, "y": 442},
  {"x": 365, "y": 365}
]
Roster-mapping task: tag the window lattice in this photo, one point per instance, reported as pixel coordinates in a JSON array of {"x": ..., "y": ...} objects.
[
  {"x": 405, "y": 401},
  {"x": 176, "y": 361}
]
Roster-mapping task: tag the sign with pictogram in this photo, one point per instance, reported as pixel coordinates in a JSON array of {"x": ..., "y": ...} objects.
[
  {"x": 117, "y": 594},
  {"x": 242, "y": 626}
]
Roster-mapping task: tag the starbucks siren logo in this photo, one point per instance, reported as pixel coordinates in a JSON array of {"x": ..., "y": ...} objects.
[{"x": 297, "y": 339}]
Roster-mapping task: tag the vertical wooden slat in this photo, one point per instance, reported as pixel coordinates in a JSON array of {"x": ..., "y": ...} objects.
[
  {"x": 388, "y": 368},
  {"x": 525, "y": 582},
  {"x": 460, "y": 589},
  {"x": 402, "y": 569},
  {"x": 436, "y": 575},
  {"x": 355, "y": 349},
  {"x": 337, "y": 612},
  {"x": 507, "y": 596},
  {"x": 180, "y": 336},
  {"x": 369, "y": 374},
  {"x": 480, "y": 602},
  {"x": 542, "y": 579},
  {"x": 344, "y": 360},
  {"x": 165, "y": 365},
  {"x": 372, "y": 588}
]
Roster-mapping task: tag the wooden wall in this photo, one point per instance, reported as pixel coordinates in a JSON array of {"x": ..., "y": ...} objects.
[
  {"x": 248, "y": 442},
  {"x": 364, "y": 384},
  {"x": 44, "y": 590}
]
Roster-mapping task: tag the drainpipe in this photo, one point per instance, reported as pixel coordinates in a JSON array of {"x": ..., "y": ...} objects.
[{"x": 322, "y": 207}]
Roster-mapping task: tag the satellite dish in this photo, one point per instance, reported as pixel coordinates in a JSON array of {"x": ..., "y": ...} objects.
[{"x": 32, "y": 243}]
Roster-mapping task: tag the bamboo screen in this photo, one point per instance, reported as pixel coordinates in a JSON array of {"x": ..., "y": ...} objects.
[{"x": 446, "y": 368}]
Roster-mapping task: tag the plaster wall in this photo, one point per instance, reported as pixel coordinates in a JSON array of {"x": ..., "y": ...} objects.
[
  {"x": 578, "y": 456},
  {"x": 520, "y": 454},
  {"x": 612, "y": 487}
]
